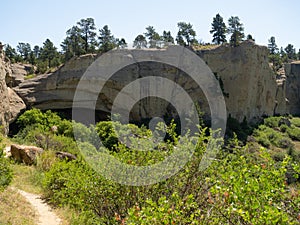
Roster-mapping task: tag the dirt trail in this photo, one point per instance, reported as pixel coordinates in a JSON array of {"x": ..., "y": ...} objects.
[{"x": 46, "y": 215}]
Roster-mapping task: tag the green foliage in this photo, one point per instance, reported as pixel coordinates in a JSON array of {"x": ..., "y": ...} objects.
[
  {"x": 236, "y": 29},
  {"x": 49, "y": 54},
  {"x": 290, "y": 52},
  {"x": 140, "y": 42},
  {"x": 242, "y": 130},
  {"x": 11, "y": 53},
  {"x": 107, "y": 134},
  {"x": 167, "y": 37},
  {"x": 88, "y": 34},
  {"x": 295, "y": 121},
  {"x": 218, "y": 30},
  {"x": 272, "y": 121},
  {"x": 294, "y": 133},
  {"x": 106, "y": 40},
  {"x": 239, "y": 187},
  {"x": 152, "y": 36},
  {"x": 272, "y": 46},
  {"x": 5, "y": 171},
  {"x": 36, "y": 117},
  {"x": 186, "y": 34}
]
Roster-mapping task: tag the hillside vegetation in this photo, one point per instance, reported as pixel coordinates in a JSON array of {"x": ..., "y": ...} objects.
[{"x": 255, "y": 182}]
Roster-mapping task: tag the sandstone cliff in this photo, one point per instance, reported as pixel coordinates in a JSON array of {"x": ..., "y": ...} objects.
[
  {"x": 11, "y": 103},
  {"x": 248, "y": 81},
  {"x": 292, "y": 74}
]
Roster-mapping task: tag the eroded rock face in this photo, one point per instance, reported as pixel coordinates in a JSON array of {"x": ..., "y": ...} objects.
[
  {"x": 248, "y": 82},
  {"x": 11, "y": 104},
  {"x": 292, "y": 73},
  {"x": 16, "y": 77}
]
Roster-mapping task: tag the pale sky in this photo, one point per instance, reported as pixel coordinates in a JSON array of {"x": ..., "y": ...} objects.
[{"x": 34, "y": 21}]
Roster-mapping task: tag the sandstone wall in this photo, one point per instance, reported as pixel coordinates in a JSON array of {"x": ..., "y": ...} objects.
[
  {"x": 247, "y": 79},
  {"x": 11, "y": 104},
  {"x": 292, "y": 73}
]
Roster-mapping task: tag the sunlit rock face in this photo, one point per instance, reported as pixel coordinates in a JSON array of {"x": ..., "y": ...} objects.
[
  {"x": 249, "y": 85},
  {"x": 10, "y": 104}
]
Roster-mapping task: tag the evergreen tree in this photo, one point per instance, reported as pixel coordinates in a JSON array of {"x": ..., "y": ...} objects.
[
  {"x": 236, "y": 30},
  {"x": 167, "y": 37},
  {"x": 36, "y": 51},
  {"x": 121, "y": 43},
  {"x": 88, "y": 34},
  {"x": 186, "y": 34},
  {"x": 24, "y": 49},
  {"x": 11, "y": 53},
  {"x": 152, "y": 36},
  {"x": 272, "y": 46},
  {"x": 73, "y": 45},
  {"x": 140, "y": 42},
  {"x": 106, "y": 39},
  {"x": 218, "y": 30},
  {"x": 291, "y": 52},
  {"x": 250, "y": 37},
  {"x": 49, "y": 53}
]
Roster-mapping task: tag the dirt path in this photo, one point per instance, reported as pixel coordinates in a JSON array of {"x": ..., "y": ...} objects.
[{"x": 47, "y": 216}]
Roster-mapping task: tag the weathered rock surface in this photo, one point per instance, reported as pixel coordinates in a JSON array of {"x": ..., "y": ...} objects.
[
  {"x": 247, "y": 79},
  {"x": 25, "y": 154},
  {"x": 292, "y": 73},
  {"x": 11, "y": 104},
  {"x": 18, "y": 72}
]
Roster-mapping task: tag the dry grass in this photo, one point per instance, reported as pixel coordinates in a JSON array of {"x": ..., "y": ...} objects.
[
  {"x": 27, "y": 178},
  {"x": 205, "y": 47},
  {"x": 15, "y": 210}
]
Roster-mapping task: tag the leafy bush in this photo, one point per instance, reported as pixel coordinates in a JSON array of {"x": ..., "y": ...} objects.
[
  {"x": 294, "y": 133},
  {"x": 272, "y": 121},
  {"x": 295, "y": 121},
  {"x": 5, "y": 172}
]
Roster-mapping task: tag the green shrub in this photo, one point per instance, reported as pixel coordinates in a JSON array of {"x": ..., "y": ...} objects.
[
  {"x": 294, "y": 133},
  {"x": 295, "y": 121},
  {"x": 272, "y": 121},
  {"x": 46, "y": 160},
  {"x": 5, "y": 172}
]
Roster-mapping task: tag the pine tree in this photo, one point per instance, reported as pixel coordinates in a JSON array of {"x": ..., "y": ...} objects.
[
  {"x": 152, "y": 36},
  {"x": 272, "y": 46},
  {"x": 140, "y": 42},
  {"x": 106, "y": 40},
  {"x": 236, "y": 30},
  {"x": 186, "y": 34},
  {"x": 88, "y": 34},
  {"x": 218, "y": 30}
]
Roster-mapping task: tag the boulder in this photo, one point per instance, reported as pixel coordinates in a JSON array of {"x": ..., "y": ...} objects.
[
  {"x": 65, "y": 156},
  {"x": 25, "y": 154}
]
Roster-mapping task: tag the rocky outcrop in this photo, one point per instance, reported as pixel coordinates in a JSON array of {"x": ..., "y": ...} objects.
[
  {"x": 16, "y": 77},
  {"x": 292, "y": 74},
  {"x": 11, "y": 104},
  {"x": 55, "y": 90},
  {"x": 247, "y": 79},
  {"x": 249, "y": 84},
  {"x": 25, "y": 154}
]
